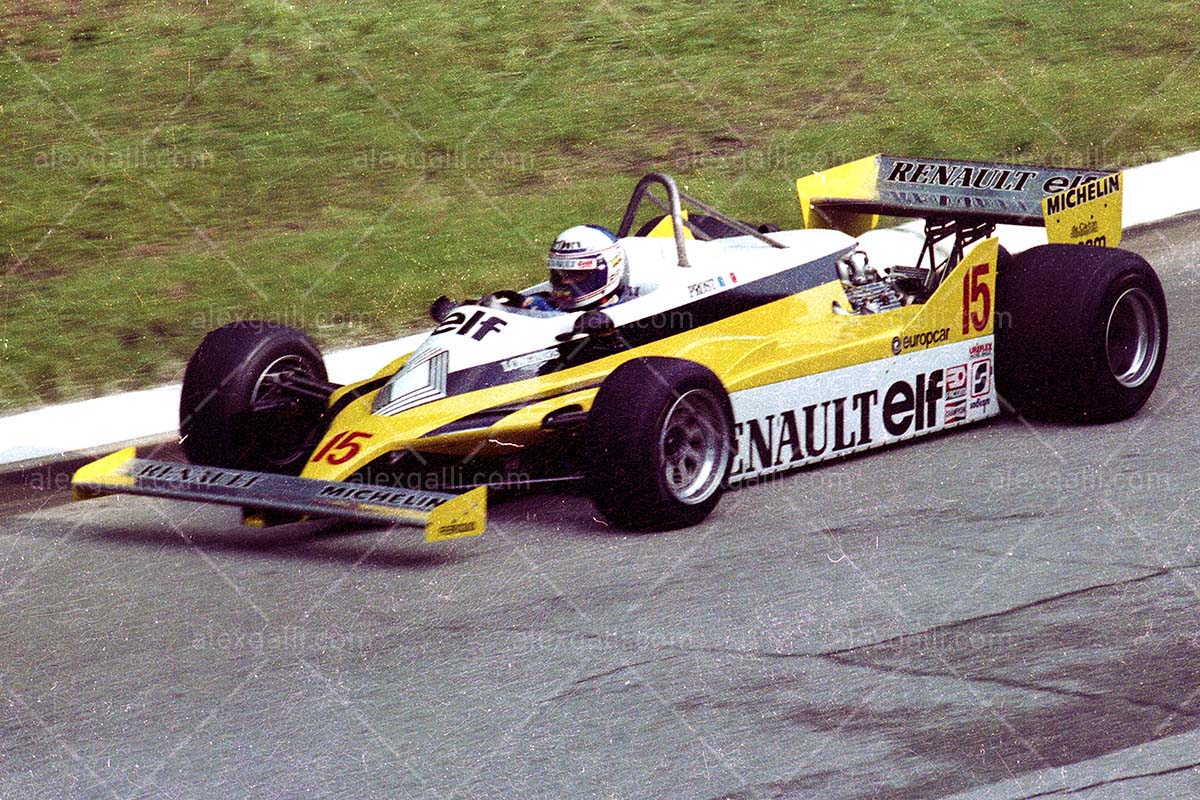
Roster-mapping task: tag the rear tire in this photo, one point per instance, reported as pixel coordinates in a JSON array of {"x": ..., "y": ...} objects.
[
  {"x": 233, "y": 370},
  {"x": 1081, "y": 333},
  {"x": 659, "y": 444}
]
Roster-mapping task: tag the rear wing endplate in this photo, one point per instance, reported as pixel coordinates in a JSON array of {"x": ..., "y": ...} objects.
[
  {"x": 442, "y": 515},
  {"x": 1076, "y": 206}
]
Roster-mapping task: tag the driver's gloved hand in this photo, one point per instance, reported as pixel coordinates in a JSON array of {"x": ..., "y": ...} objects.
[
  {"x": 441, "y": 308},
  {"x": 594, "y": 323}
]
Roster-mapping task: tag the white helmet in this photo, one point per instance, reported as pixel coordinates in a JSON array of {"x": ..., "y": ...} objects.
[{"x": 587, "y": 264}]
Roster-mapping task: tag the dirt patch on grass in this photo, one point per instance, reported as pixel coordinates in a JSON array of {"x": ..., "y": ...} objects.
[
  {"x": 21, "y": 20},
  {"x": 33, "y": 268},
  {"x": 44, "y": 55},
  {"x": 34, "y": 11},
  {"x": 89, "y": 34}
]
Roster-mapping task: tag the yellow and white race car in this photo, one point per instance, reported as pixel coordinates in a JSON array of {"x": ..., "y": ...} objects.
[{"x": 742, "y": 351}]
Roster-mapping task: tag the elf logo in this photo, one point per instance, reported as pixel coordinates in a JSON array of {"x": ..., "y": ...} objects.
[{"x": 463, "y": 325}]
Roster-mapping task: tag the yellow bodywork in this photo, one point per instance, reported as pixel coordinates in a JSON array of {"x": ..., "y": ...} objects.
[
  {"x": 855, "y": 179},
  {"x": 465, "y": 515},
  {"x": 100, "y": 468},
  {"x": 793, "y": 337},
  {"x": 1088, "y": 214},
  {"x": 665, "y": 229}
]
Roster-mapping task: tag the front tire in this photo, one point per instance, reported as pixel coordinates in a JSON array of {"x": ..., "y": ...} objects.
[
  {"x": 232, "y": 412},
  {"x": 659, "y": 444},
  {"x": 1081, "y": 333}
]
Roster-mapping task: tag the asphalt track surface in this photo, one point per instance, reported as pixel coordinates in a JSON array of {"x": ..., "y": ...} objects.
[{"x": 1007, "y": 611}]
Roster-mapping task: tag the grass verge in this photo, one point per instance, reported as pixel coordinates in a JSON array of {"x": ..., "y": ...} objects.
[{"x": 168, "y": 167}]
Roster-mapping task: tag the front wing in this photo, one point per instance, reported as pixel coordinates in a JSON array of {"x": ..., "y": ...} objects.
[{"x": 442, "y": 515}]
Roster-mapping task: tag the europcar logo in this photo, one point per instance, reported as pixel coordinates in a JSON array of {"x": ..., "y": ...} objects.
[{"x": 920, "y": 341}]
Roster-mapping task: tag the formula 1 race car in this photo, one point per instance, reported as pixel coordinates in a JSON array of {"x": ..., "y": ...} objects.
[{"x": 746, "y": 351}]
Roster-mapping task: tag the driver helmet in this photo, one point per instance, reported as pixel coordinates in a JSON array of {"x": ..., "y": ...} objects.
[{"x": 587, "y": 265}]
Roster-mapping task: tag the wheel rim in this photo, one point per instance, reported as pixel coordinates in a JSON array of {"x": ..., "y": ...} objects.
[
  {"x": 694, "y": 446},
  {"x": 1133, "y": 338},
  {"x": 281, "y": 433},
  {"x": 266, "y": 381}
]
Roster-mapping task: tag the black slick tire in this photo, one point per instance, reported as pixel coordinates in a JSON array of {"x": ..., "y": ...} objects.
[
  {"x": 1081, "y": 333},
  {"x": 659, "y": 444},
  {"x": 226, "y": 383}
]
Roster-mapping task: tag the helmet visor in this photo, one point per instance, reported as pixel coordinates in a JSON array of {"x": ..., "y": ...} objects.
[{"x": 576, "y": 286}]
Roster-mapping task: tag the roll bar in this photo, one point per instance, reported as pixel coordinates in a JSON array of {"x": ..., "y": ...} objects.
[{"x": 673, "y": 206}]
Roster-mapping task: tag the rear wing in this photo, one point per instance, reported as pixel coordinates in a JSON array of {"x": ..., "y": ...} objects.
[
  {"x": 442, "y": 515},
  {"x": 1076, "y": 206}
]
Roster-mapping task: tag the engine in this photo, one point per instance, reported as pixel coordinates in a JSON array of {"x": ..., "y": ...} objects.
[{"x": 871, "y": 289}]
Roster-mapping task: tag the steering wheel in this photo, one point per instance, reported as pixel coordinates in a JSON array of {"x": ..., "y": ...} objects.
[{"x": 503, "y": 297}]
